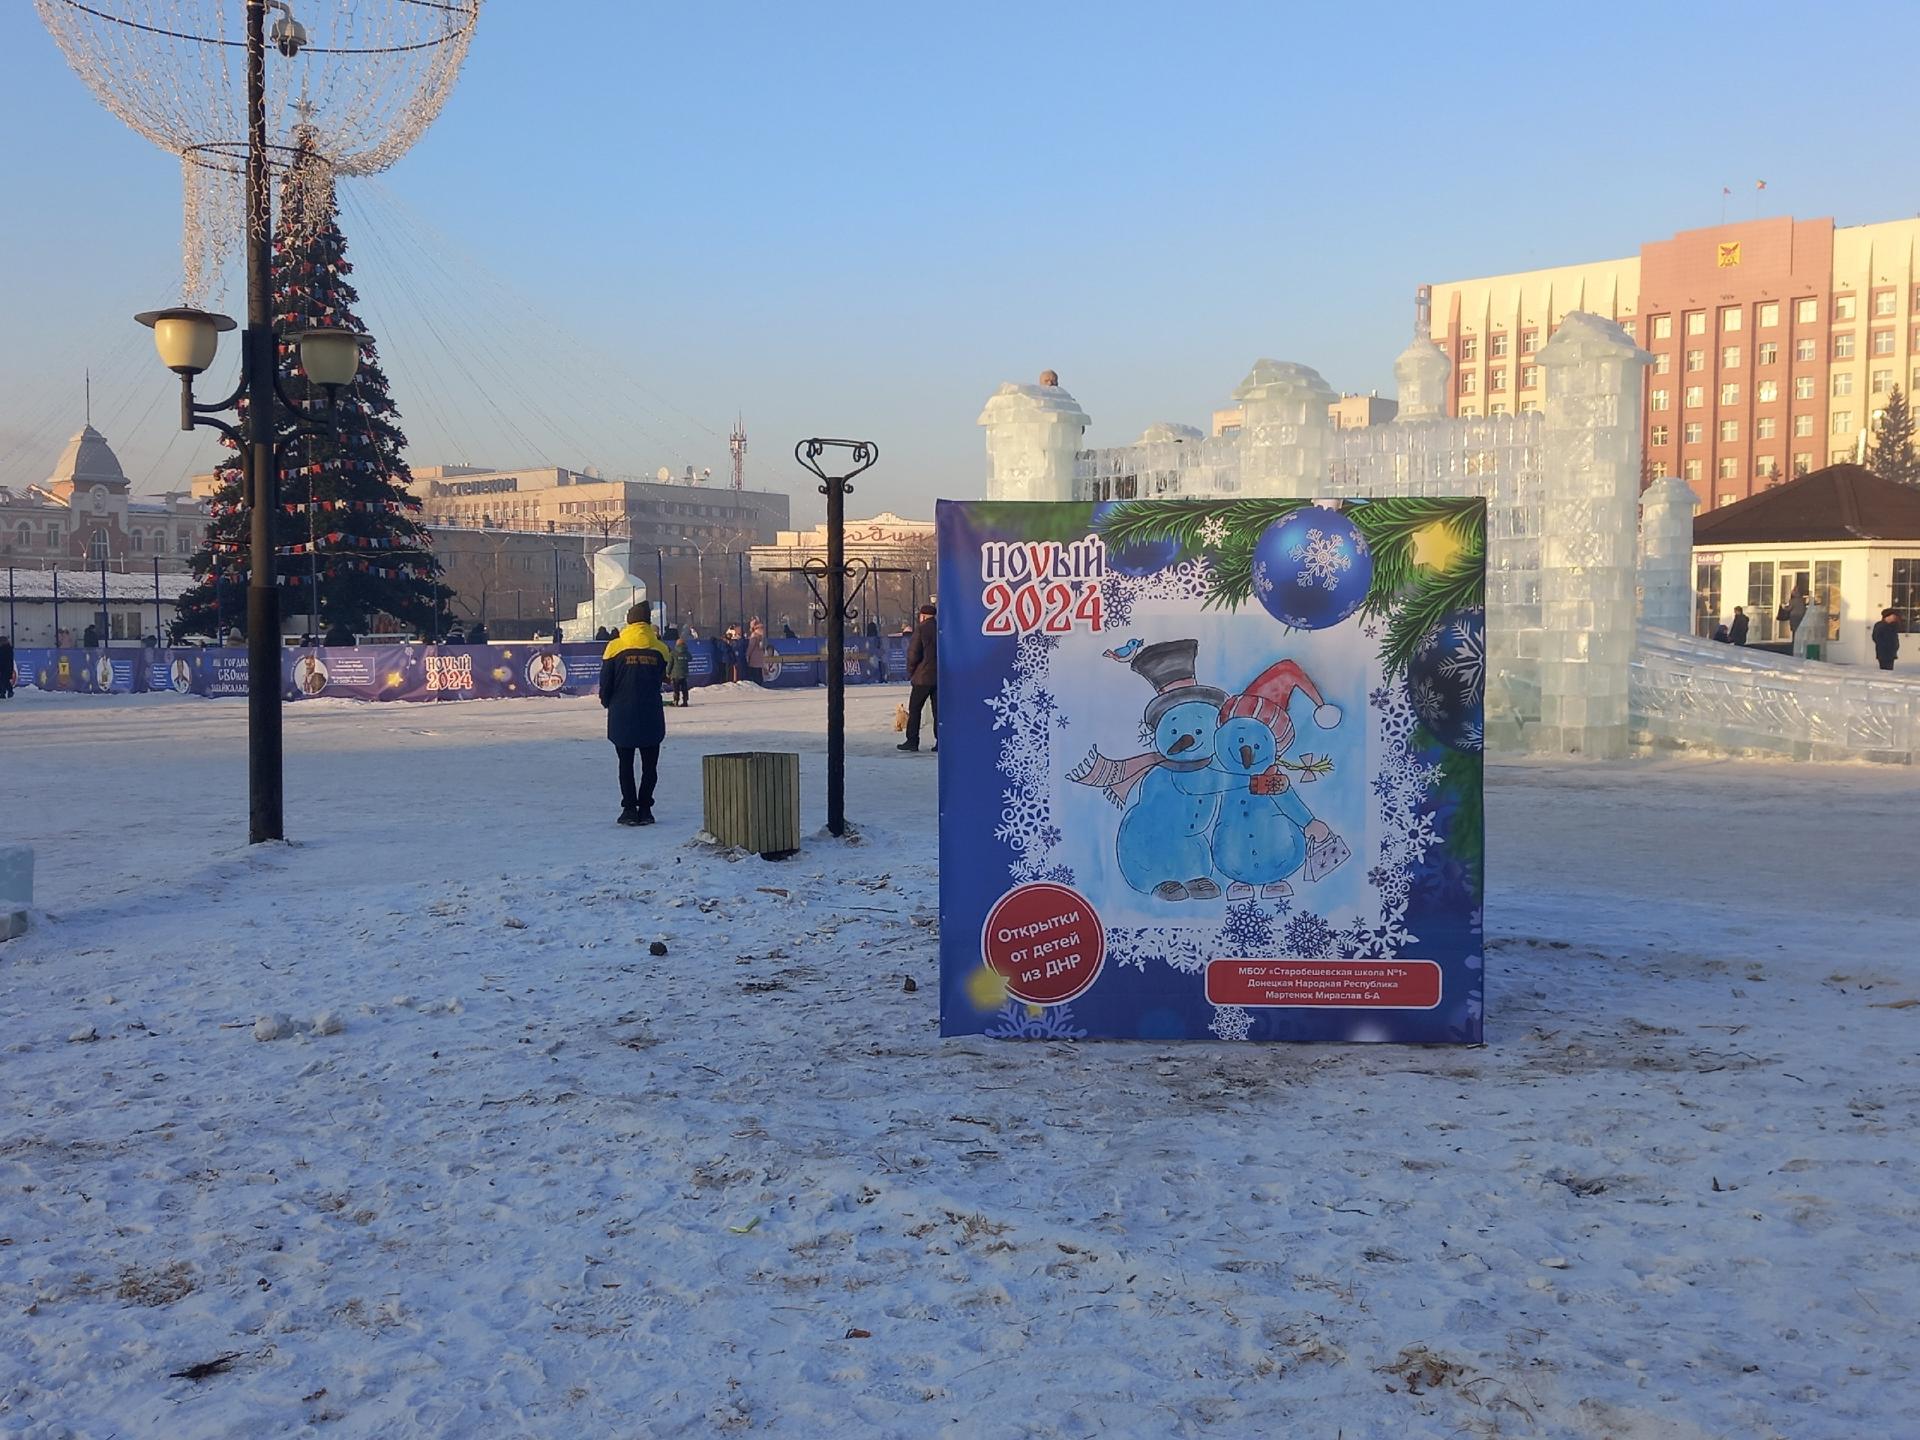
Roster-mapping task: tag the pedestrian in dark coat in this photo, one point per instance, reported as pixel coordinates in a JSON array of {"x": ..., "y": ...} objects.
[
  {"x": 678, "y": 660},
  {"x": 90, "y": 638},
  {"x": 479, "y": 635},
  {"x": 631, "y": 670},
  {"x": 1737, "y": 632},
  {"x": 6, "y": 667},
  {"x": 923, "y": 673},
  {"x": 1886, "y": 638},
  {"x": 339, "y": 636}
]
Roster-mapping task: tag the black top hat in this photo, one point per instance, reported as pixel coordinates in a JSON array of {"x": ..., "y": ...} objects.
[{"x": 1170, "y": 668}]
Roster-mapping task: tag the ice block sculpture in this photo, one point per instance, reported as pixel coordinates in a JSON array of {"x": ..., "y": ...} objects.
[
  {"x": 1420, "y": 375},
  {"x": 1590, "y": 482},
  {"x": 1284, "y": 437},
  {"x": 615, "y": 587},
  {"x": 1666, "y": 555},
  {"x": 1033, "y": 434}
]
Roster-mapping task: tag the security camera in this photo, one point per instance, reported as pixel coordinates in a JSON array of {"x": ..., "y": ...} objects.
[{"x": 288, "y": 34}]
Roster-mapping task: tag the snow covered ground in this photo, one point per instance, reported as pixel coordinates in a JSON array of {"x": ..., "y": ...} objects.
[{"x": 542, "y": 1183}]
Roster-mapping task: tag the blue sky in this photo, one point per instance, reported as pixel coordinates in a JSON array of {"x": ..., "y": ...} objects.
[{"x": 858, "y": 219}]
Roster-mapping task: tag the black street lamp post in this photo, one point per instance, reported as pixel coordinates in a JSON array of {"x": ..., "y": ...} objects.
[{"x": 187, "y": 340}]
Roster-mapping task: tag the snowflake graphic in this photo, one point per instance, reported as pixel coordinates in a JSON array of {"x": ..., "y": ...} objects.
[
  {"x": 1323, "y": 559},
  {"x": 1309, "y": 937},
  {"x": 1213, "y": 530},
  {"x": 1247, "y": 930},
  {"x": 1016, "y": 1021},
  {"x": 1468, "y": 665},
  {"x": 1231, "y": 1022},
  {"x": 1262, "y": 578},
  {"x": 1178, "y": 948}
]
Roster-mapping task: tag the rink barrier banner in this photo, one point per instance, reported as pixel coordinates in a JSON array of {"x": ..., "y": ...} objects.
[
  {"x": 1217, "y": 770},
  {"x": 358, "y": 672},
  {"x": 411, "y": 672}
]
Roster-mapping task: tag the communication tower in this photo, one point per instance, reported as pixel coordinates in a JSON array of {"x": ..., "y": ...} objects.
[{"x": 737, "y": 445}]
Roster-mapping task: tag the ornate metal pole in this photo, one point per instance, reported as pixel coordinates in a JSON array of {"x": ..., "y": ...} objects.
[{"x": 836, "y": 488}]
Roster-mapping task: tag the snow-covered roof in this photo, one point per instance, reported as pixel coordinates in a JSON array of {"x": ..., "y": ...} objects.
[{"x": 88, "y": 460}]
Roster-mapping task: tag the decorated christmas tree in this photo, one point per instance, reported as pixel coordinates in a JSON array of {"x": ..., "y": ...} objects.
[{"x": 348, "y": 546}]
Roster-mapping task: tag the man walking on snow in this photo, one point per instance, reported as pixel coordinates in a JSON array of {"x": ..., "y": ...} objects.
[
  {"x": 631, "y": 671},
  {"x": 923, "y": 666}
]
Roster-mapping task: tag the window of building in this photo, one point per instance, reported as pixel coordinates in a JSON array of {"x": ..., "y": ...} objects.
[
  {"x": 1730, "y": 318},
  {"x": 1529, "y": 341},
  {"x": 1632, "y": 327},
  {"x": 53, "y": 534},
  {"x": 1803, "y": 351},
  {"x": 1706, "y": 596},
  {"x": 1766, "y": 467},
  {"x": 1803, "y": 387},
  {"x": 1803, "y": 425},
  {"x": 1769, "y": 353},
  {"x": 1729, "y": 431},
  {"x": 1663, "y": 327},
  {"x": 1696, "y": 397},
  {"x": 1883, "y": 342},
  {"x": 97, "y": 545},
  {"x": 1769, "y": 314},
  {"x": 1497, "y": 346},
  {"x": 1729, "y": 357},
  {"x": 1843, "y": 382},
  {"x": 1767, "y": 391},
  {"x": 1842, "y": 307},
  {"x": 1729, "y": 394},
  {"x": 1842, "y": 422},
  {"x": 1469, "y": 411},
  {"x": 24, "y": 534},
  {"x": 1693, "y": 469},
  {"x": 1843, "y": 347},
  {"x": 1696, "y": 359},
  {"x": 1661, "y": 469},
  {"x": 1469, "y": 382},
  {"x": 1883, "y": 303},
  {"x": 1806, "y": 311},
  {"x": 1826, "y": 591},
  {"x": 1661, "y": 435},
  {"x": 1469, "y": 347},
  {"x": 1497, "y": 378},
  {"x": 1875, "y": 419},
  {"x": 1905, "y": 596},
  {"x": 183, "y": 544},
  {"x": 1760, "y": 598},
  {"x": 1657, "y": 400},
  {"x": 139, "y": 542},
  {"x": 1841, "y": 457},
  {"x": 1697, "y": 323},
  {"x": 1497, "y": 408},
  {"x": 1803, "y": 462},
  {"x": 1529, "y": 407},
  {"x": 1693, "y": 432},
  {"x": 1882, "y": 381},
  {"x": 1662, "y": 363},
  {"x": 1765, "y": 428},
  {"x": 1729, "y": 467}
]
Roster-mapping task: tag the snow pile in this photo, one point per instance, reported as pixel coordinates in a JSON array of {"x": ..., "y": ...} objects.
[{"x": 741, "y": 1187}]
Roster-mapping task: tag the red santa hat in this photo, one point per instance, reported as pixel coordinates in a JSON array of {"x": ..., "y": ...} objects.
[{"x": 1266, "y": 701}]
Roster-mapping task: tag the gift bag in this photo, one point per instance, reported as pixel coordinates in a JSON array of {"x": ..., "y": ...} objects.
[{"x": 1323, "y": 858}]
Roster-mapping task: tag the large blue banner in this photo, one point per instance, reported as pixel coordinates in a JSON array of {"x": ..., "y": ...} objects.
[
  {"x": 787, "y": 664},
  {"x": 1214, "y": 769}
]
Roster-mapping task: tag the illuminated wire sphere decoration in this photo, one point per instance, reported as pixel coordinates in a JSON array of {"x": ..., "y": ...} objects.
[{"x": 366, "y": 80}]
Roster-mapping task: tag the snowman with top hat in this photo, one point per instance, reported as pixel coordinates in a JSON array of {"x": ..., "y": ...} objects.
[{"x": 1265, "y": 833}]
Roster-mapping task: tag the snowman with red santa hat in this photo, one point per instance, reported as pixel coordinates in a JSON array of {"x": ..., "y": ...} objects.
[{"x": 1265, "y": 832}]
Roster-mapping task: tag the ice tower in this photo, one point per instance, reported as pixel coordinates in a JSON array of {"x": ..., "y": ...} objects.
[
  {"x": 1284, "y": 436},
  {"x": 1422, "y": 370},
  {"x": 1033, "y": 433},
  {"x": 1589, "y": 483},
  {"x": 1666, "y": 555}
]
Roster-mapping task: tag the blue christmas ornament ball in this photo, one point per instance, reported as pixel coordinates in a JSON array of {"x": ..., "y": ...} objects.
[
  {"x": 1447, "y": 679},
  {"x": 1312, "y": 569},
  {"x": 1142, "y": 557}
]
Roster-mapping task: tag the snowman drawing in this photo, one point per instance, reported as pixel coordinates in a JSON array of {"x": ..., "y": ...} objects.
[
  {"x": 1163, "y": 844},
  {"x": 1264, "y": 831}
]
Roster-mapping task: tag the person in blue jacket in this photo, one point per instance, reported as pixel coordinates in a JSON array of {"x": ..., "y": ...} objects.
[{"x": 632, "y": 668}]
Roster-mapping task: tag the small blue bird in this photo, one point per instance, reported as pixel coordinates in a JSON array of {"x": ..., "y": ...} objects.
[{"x": 1125, "y": 652}]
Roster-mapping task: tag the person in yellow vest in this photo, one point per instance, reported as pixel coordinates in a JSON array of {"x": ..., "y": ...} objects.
[{"x": 632, "y": 668}]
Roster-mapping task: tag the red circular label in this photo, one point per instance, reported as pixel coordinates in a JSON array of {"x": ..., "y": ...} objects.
[{"x": 1045, "y": 941}]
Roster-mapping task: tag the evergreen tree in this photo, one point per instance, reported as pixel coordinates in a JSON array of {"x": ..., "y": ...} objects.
[
  {"x": 348, "y": 544},
  {"x": 1891, "y": 455}
]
